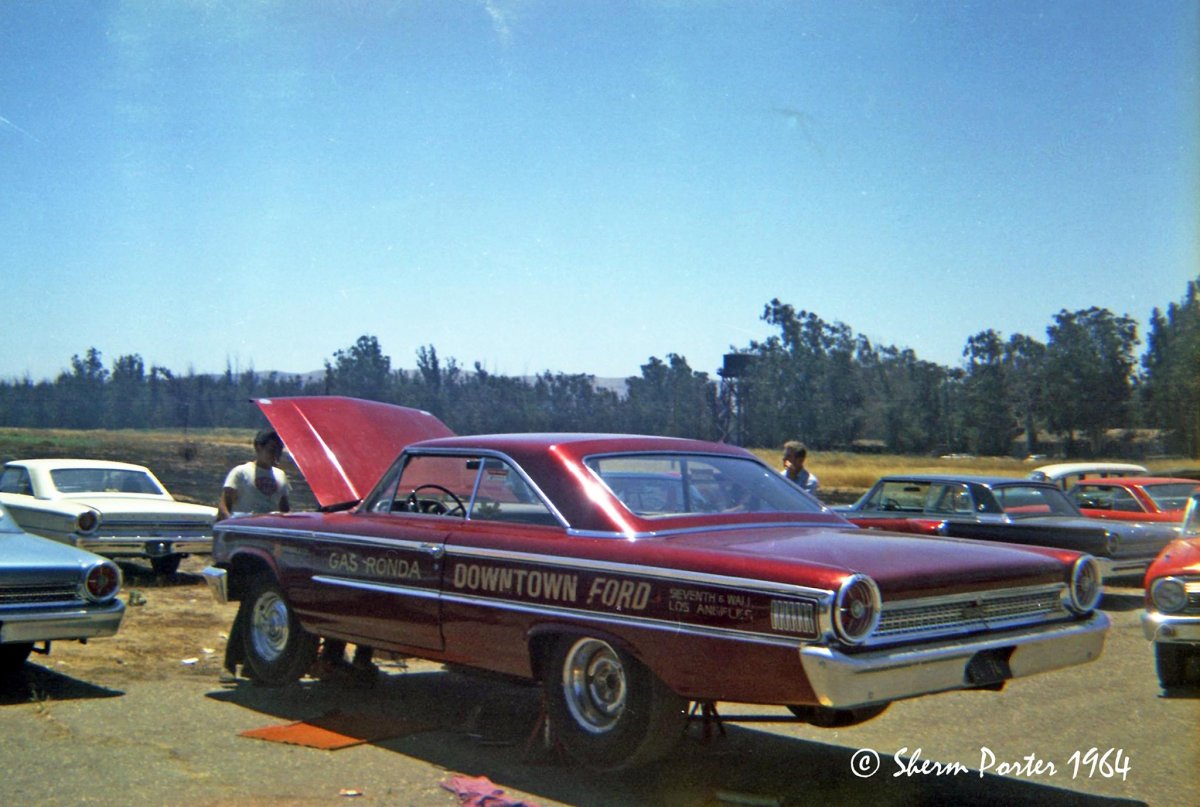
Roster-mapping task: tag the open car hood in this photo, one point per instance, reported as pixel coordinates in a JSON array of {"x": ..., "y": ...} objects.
[{"x": 344, "y": 445}]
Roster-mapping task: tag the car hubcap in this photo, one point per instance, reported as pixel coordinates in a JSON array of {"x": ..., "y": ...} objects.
[
  {"x": 594, "y": 685},
  {"x": 269, "y": 626}
]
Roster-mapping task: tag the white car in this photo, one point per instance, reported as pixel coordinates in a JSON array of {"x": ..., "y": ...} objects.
[
  {"x": 1066, "y": 474},
  {"x": 111, "y": 508}
]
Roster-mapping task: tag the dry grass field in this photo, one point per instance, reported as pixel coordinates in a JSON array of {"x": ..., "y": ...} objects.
[{"x": 193, "y": 464}]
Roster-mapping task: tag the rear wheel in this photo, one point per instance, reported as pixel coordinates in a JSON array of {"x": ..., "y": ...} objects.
[
  {"x": 277, "y": 650},
  {"x": 607, "y": 709},
  {"x": 12, "y": 656},
  {"x": 166, "y": 564}
]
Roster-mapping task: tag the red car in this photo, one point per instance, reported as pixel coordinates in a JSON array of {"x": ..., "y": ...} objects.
[
  {"x": 1134, "y": 498},
  {"x": 628, "y": 575},
  {"x": 1172, "y": 618}
]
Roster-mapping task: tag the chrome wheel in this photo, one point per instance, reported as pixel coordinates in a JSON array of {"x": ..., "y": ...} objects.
[
  {"x": 269, "y": 626},
  {"x": 606, "y": 707},
  {"x": 277, "y": 649},
  {"x": 595, "y": 685}
]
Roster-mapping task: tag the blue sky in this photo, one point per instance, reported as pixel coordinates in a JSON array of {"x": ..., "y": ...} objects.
[{"x": 578, "y": 186}]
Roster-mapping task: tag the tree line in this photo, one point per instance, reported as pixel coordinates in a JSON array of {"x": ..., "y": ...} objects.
[{"x": 811, "y": 380}]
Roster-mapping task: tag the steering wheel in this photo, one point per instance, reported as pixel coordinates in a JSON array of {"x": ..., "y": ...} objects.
[
  {"x": 416, "y": 504},
  {"x": 891, "y": 504}
]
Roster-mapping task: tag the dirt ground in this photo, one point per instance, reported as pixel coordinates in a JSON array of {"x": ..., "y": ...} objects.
[{"x": 172, "y": 627}]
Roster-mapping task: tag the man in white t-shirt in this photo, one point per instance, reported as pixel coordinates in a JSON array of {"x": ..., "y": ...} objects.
[{"x": 258, "y": 486}]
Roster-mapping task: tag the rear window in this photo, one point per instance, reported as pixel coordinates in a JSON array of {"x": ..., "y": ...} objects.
[
  {"x": 655, "y": 485},
  {"x": 103, "y": 480}
]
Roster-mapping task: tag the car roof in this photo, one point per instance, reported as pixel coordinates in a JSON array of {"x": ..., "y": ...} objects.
[
  {"x": 1059, "y": 470},
  {"x": 580, "y": 443},
  {"x": 57, "y": 463}
]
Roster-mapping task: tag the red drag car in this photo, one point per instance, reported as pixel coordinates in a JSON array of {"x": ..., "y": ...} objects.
[
  {"x": 1134, "y": 498},
  {"x": 1172, "y": 618},
  {"x": 629, "y": 575}
]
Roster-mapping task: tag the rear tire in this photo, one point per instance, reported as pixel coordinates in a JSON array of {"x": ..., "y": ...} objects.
[
  {"x": 277, "y": 650},
  {"x": 606, "y": 708},
  {"x": 166, "y": 564},
  {"x": 12, "y": 656}
]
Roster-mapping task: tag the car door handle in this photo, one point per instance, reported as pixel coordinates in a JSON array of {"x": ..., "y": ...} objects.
[{"x": 435, "y": 550}]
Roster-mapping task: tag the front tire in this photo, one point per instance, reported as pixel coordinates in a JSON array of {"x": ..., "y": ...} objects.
[
  {"x": 1172, "y": 662},
  {"x": 606, "y": 708},
  {"x": 277, "y": 650}
]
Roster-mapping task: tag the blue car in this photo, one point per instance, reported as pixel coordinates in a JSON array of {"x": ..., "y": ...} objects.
[{"x": 51, "y": 591}]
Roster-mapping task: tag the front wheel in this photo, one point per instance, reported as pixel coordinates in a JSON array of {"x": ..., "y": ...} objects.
[
  {"x": 277, "y": 650},
  {"x": 607, "y": 709},
  {"x": 1172, "y": 662}
]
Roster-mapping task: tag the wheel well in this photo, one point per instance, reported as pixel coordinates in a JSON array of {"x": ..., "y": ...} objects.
[
  {"x": 543, "y": 638},
  {"x": 242, "y": 570}
]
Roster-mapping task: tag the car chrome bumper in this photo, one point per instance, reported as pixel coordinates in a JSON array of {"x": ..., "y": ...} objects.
[
  {"x": 63, "y": 623},
  {"x": 126, "y": 546},
  {"x": 218, "y": 583},
  {"x": 841, "y": 680},
  {"x": 1171, "y": 628}
]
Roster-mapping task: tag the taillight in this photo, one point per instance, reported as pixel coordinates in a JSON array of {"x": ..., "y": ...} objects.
[
  {"x": 103, "y": 581},
  {"x": 1085, "y": 585},
  {"x": 87, "y": 521},
  {"x": 856, "y": 609}
]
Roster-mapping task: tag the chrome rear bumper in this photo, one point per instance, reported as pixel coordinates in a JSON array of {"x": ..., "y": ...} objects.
[
  {"x": 842, "y": 680},
  {"x": 78, "y": 622}
]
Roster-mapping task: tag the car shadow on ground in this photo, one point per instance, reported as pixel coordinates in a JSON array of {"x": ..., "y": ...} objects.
[
  {"x": 1122, "y": 601},
  {"x": 137, "y": 574},
  {"x": 34, "y": 683},
  {"x": 485, "y": 727}
]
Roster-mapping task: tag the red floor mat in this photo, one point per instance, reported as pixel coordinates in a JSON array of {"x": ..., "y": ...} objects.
[{"x": 339, "y": 730}]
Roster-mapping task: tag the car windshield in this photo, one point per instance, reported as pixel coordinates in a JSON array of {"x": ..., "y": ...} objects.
[
  {"x": 655, "y": 485},
  {"x": 1024, "y": 501},
  {"x": 103, "y": 480}
]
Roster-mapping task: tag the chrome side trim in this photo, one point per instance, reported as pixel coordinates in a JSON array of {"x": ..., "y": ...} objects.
[
  {"x": 382, "y": 588},
  {"x": 757, "y": 525},
  {"x": 675, "y": 628},
  {"x": 1120, "y": 567}
]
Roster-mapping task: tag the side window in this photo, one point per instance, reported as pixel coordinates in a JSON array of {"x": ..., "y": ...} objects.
[
  {"x": 16, "y": 480},
  {"x": 951, "y": 499},
  {"x": 437, "y": 485},
  {"x": 1092, "y": 497},
  {"x": 503, "y": 495},
  {"x": 1123, "y": 501},
  {"x": 904, "y": 496}
]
